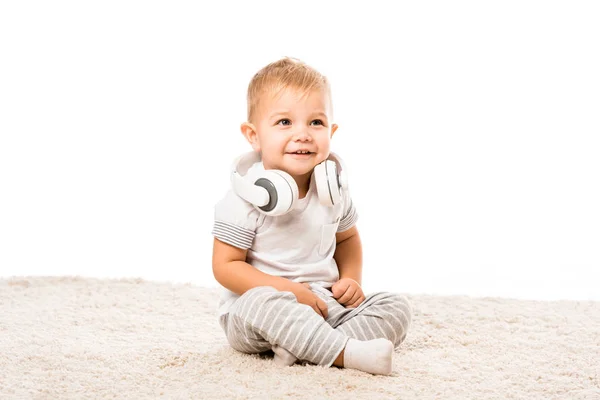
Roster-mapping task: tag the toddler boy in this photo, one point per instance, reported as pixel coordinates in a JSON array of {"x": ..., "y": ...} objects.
[{"x": 292, "y": 282}]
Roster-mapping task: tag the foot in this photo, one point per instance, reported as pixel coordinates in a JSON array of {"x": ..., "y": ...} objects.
[
  {"x": 373, "y": 356},
  {"x": 283, "y": 357}
]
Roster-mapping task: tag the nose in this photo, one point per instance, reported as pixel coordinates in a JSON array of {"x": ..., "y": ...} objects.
[{"x": 302, "y": 136}]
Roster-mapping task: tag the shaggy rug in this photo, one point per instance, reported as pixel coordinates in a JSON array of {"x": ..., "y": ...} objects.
[{"x": 80, "y": 338}]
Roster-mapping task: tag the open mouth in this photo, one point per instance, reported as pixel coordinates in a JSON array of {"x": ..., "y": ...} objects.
[{"x": 301, "y": 152}]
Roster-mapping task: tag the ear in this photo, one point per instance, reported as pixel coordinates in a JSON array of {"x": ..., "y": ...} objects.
[
  {"x": 249, "y": 132},
  {"x": 333, "y": 129}
]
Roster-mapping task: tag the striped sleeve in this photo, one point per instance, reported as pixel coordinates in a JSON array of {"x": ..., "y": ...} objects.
[
  {"x": 350, "y": 215},
  {"x": 233, "y": 234},
  {"x": 235, "y": 221}
]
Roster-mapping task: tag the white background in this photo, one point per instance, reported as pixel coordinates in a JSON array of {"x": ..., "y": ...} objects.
[{"x": 471, "y": 131}]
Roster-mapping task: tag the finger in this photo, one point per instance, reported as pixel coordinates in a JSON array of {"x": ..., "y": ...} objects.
[
  {"x": 339, "y": 289},
  {"x": 357, "y": 302},
  {"x": 323, "y": 307},
  {"x": 347, "y": 295},
  {"x": 354, "y": 298},
  {"x": 318, "y": 311}
]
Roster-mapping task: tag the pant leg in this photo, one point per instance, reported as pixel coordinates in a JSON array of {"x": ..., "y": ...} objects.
[
  {"x": 380, "y": 315},
  {"x": 263, "y": 317}
]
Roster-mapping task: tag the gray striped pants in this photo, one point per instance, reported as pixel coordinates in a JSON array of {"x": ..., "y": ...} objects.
[{"x": 263, "y": 317}]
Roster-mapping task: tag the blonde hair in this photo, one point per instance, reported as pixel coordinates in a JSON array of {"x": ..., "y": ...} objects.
[{"x": 286, "y": 73}]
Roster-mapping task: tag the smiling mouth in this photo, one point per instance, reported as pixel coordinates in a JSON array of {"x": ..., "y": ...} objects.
[{"x": 300, "y": 152}]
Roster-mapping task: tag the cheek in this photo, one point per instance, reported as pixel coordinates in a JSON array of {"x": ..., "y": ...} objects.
[
  {"x": 273, "y": 148},
  {"x": 276, "y": 142},
  {"x": 324, "y": 143}
]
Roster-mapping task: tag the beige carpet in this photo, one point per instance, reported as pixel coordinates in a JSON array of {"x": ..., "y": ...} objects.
[{"x": 82, "y": 338}]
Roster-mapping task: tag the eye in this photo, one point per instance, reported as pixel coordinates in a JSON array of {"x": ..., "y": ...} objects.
[
  {"x": 319, "y": 121},
  {"x": 287, "y": 122}
]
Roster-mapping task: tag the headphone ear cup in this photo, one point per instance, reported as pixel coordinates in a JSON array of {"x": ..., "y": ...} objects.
[
  {"x": 333, "y": 182},
  {"x": 326, "y": 179},
  {"x": 283, "y": 191},
  {"x": 320, "y": 177}
]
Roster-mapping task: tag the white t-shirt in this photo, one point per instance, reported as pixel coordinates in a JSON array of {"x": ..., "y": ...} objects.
[{"x": 298, "y": 246}]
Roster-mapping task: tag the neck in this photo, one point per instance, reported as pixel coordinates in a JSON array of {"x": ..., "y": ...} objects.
[{"x": 303, "y": 182}]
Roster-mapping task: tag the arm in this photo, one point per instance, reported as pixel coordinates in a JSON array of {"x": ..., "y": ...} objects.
[
  {"x": 233, "y": 272},
  {"x": 348, "y": 254}
]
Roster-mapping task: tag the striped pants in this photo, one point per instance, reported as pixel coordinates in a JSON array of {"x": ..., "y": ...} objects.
[{"x": 263, "y": 317}]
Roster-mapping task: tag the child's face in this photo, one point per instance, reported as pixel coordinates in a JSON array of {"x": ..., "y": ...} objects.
[{"x": 288, "y": 123}]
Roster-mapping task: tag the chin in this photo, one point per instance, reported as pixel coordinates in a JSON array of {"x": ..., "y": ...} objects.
[{"x": 299, "y": 170}]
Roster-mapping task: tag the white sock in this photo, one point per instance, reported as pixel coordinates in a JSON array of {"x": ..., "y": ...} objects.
[
  {"x": 373, "y": 356},
  {"x": 283, "y": 357}
]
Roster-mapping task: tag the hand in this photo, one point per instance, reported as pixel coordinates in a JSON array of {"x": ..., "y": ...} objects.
[
  {"x": 305, "y": 296},
  {"x": 348, "y": 293}
]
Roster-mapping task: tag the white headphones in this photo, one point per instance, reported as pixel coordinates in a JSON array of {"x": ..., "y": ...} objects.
[{"x": 274, "y": 192}]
